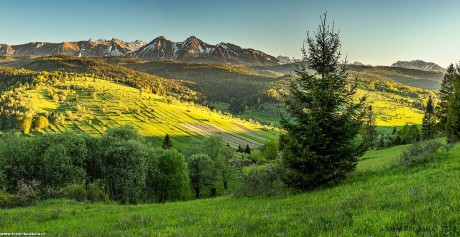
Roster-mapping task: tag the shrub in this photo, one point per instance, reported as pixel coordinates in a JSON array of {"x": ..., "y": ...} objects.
[
  {"x": 257, "y": 157},
  {"x": 13, "y": 200},
  {"x": 75, "y": 191},
  {"x": 262, "y": 181},
  {"x": 419, "y": 152},
  {"x": 95, "y": 193}
]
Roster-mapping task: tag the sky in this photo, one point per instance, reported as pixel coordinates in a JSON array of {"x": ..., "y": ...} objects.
[{"x": 373, "y": 32}]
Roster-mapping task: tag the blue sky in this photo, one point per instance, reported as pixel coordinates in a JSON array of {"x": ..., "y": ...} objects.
[{"x": 373, "y": 32}]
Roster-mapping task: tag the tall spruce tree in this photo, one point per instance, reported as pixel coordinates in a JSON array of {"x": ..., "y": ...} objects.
[
  {"x": 444, "y": 95},
  {"x": 453, "y": 110},
  {"x": 429, "y": 120},
  {"x": 167, "y": 143},
  {"x": 320, "y": 145}
]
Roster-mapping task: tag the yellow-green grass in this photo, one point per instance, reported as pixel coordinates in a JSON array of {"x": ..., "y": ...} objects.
[
  {"x": 388, "y": 109},
  {"x": 379, "y": 199},
  {"x": 110, "y": 104}
]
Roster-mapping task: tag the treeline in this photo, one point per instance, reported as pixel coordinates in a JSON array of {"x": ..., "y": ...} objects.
[{"x": 120, "y": 166}]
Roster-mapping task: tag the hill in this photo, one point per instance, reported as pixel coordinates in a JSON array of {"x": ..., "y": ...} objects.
[
  {"x": 378, "y": 199},
  {"x": 247, "y": 92},
  {"x": 411, "y": 77},
  {"x": 87, "y": 104},
  {"x": 251, "y": 93}
]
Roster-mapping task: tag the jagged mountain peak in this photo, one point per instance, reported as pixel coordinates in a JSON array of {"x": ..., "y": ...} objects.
[
  {"x": 191, "y": 49},
  {"x": 420, "y": 65}
]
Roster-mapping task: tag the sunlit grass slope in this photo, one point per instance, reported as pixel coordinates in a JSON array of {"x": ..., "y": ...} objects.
[
  {"x": 93, "y": 105},
  {"x": 377, "y": 200},
  {"x": 388, "y": 109}
]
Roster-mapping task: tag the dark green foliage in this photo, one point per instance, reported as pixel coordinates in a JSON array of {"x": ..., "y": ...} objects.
[
  {"x": 320, "y": 145},
  {"x": 124, "y": 159},
  {"x": 409, "y": 134},
  {"x": 266, "y": 181},
  {"x": 95, "y": 192},
  {"x": 152, "y": 180},
  {"x": 444, "y": 96},
  {"x": 271, "y": 151},
  {"x": 247, "y": 149},
  {"x": 201, "y": 172},
  {"x": 53, "y": 160},
  {"x": 173, "y": 177},
  {"x": 429, "y": 120},
  {"x": 214, "y": 147},
  {"x": 167, "y": 143},
  {"x": 75, "y": 191},
  {"x": 453, "y": 110},
  {"x": 240, "y": 148}
]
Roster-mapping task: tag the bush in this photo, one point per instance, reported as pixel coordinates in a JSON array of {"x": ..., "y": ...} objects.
[
  {"x": 265, "y": 181},
  {"x": 13, "y": 200},
  {"x": 419, "y": 152},
  {"x": 95, "y": 193},
  {"x": 74, "y": 191},
  {"x": 257, "y": 157}
]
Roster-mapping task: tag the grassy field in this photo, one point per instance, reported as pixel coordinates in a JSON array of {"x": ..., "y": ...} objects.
[
  {"x": 388, "y": 111},
  {"x": 379, "y": 199},
  {"x": 96, "y": 105}
]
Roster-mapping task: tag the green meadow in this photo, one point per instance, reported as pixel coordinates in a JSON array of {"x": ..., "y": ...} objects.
[{"x": 381, "y": 198}]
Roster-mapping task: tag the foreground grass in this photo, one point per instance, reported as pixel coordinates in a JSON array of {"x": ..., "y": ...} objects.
[{"x": 377, "y": 200}]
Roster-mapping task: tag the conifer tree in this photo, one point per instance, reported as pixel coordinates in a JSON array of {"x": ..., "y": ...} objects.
[
  {"x": 167, "y": 143},
  {"x": 429, "y": 120},
  {"x": 444, "y": 96},
  {"x": 247, "y": 150},
  {"x": 320, "y": 145},
  {"x": 453, "y": 110}
]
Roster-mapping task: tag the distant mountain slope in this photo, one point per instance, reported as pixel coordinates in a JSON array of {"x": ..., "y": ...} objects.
[
  {"x": 420, "y": 65},
  {"x": 195, "y": 50},
  {"x": 90, "y": 48},
  {"x": 190, "y": 50},
  {"x": 411, "y": 77}
]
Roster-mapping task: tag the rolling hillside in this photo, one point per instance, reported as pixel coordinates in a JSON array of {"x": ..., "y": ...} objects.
[
  {"x": 411, "y": 77},
  {"x": 91, "y": 105},
  {"x": 249, "y": 93}
]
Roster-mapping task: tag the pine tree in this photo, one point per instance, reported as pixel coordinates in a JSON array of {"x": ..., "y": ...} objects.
[
  {"x": 429, "y": 120},
  {"x": 444, "y": 96},
  {"x": 453, "y": 111},
  {"x": 319, "y": 147},
  {"x": 167, "y": 143},
  {"x": 247, "y": 150}
]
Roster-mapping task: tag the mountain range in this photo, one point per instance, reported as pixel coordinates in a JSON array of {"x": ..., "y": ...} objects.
[
  {"x": 190, "y": 50},
  {"x": 420, "y": 65}
]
